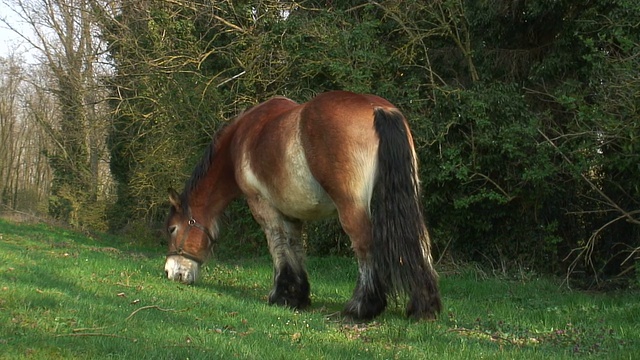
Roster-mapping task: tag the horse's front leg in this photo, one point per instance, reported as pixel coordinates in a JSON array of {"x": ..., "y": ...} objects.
[{"x": 290, "y": 281}]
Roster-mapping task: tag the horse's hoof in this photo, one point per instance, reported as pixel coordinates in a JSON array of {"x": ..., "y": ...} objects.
[{"x": 297, "y": 303}]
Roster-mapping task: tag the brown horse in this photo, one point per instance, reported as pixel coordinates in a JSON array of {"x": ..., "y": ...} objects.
[{"x": 341, "y": 153}]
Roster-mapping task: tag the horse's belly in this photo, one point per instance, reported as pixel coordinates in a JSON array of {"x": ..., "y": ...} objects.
[
  {"x": 292, "y": 189},
  {"x": 305, "y": 199},
  {"x": 299, "y": 194}
]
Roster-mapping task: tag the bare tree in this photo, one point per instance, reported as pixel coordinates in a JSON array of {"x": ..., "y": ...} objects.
[
  {"x": 10, "y": 78},
  {"x": 24, "y": 173},
  {"x": 63, "y": 36}
]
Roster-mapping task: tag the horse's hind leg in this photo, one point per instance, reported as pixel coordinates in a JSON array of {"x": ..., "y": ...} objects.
[
  {"x": 290, "y": 280},
  {"x": 369, "y": 298}
]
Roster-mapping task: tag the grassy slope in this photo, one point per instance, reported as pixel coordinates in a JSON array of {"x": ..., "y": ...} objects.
[{"x": 64, "y": 295}]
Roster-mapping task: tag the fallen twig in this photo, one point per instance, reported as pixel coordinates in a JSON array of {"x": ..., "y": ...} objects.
[
  {"x": 151, "y": 307},
  {"x": 94, "y": 334},
  {"x": 78, "y": 330}
]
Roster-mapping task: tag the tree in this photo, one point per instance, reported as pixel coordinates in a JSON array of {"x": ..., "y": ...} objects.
[
  {"x": 11, "y": 130},
  {"x": 66, "y": 46},
  {"x": 163, "y": 96},
  {"x": 24, "y": 174}
]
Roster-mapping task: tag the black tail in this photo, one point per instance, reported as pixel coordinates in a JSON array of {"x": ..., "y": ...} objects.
[{"x": 401, "y": 245}]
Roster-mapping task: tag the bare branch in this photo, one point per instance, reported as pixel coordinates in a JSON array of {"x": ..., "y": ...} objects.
[
  {"x": 624, "y": 214},
  {"x": 156, "y": 307}
]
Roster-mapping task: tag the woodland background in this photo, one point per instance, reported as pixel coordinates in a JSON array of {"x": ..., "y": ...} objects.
[{"x": 525, "y": 115}]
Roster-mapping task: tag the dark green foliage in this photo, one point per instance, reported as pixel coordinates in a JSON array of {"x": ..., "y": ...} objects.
[
  {"x": 490, "y": 177},
  {"x": 327, "y": 238},
  {"x": 525, "y": 114},
  {"x": 240, "y": 234}
]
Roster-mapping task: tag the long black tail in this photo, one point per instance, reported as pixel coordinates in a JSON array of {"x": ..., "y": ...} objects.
[{"x": 401, "y": 245}]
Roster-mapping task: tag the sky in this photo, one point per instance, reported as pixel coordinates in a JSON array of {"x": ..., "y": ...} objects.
[
  {"x": 5, "y": 42},
  {"x": 5, "y": 37},
  {"x": 9, "y": 40}
]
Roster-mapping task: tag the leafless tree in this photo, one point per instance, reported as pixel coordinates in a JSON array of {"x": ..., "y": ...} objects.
[
  {"x": 24, "y": 172},
  {"x": 67, "y": 48}
]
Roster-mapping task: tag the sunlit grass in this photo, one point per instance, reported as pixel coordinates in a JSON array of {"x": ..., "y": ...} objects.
[{"x": 65, "y": 295}]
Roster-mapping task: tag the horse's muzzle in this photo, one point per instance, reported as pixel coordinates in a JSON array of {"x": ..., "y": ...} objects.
[{"x": 179, "y": 268}]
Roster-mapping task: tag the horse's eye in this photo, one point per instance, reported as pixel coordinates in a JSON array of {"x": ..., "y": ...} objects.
[{"x": 172, "y": 229}]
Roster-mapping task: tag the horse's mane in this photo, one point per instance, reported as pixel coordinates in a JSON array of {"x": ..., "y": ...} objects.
[{"x": 205, "y": 163}]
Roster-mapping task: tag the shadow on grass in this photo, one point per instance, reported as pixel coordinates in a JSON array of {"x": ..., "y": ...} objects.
[{"x": 332, "y": 281}]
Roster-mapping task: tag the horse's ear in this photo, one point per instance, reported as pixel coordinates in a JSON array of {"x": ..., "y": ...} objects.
[{"x": 174, "y": 199}]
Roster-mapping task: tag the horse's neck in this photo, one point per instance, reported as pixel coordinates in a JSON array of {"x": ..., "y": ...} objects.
[{"x": 218, "y": 187}]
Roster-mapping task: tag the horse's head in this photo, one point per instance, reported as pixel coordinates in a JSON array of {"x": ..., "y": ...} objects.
[{"x": 190, "y": 242}]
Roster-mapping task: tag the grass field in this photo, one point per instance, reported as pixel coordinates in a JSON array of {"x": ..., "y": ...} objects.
[{"x": 64, "y": 295}]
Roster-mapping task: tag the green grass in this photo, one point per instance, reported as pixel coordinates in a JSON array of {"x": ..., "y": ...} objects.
[{"x": 65, "y": 295}]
